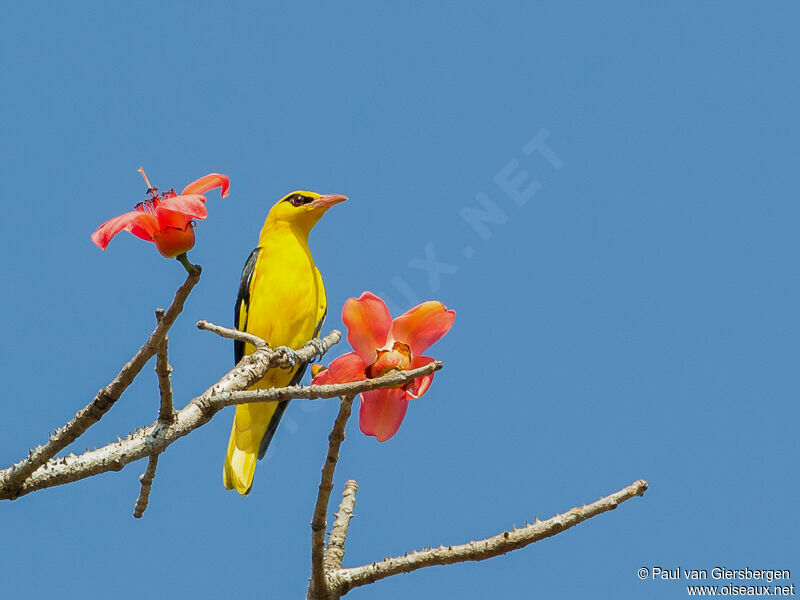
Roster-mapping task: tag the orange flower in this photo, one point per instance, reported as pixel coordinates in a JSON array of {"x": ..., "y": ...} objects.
[
  {"x": 383, "y": 345},
  {"x": 166, "y": 219}
]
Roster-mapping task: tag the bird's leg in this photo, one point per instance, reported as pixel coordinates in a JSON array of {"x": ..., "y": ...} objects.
[{"x": 289, "y": 354}]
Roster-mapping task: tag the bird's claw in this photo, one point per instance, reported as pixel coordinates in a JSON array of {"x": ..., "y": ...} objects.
[
  {"x": 319, "y": 346},
  {"x": 289, "y": 354}
]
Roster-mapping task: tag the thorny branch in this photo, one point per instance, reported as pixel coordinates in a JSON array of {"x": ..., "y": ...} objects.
[
  {"x": 166, "y": 415},
  {"x": 313, "y": 392},
  {"x": 317, "y": 589},
  {"x": 343, "y": 580},
  {"x": 329, "y": 581},
  {"x": 338, "y": 581},
  {"x": 166, "y": 412},
  {"x": 156, "y": 438},
  {"x": 334, "y": 554},
  {"x": 13, "y": 478}
]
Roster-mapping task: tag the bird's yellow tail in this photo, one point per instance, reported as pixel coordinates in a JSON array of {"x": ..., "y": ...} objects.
[{"x": 249, "y": 426}]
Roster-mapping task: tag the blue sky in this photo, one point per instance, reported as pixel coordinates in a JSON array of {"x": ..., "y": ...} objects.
[{"x": 635, "y": 318}]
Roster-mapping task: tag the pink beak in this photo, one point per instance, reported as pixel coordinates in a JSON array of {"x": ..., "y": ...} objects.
[{"x": 328, "y": 200}]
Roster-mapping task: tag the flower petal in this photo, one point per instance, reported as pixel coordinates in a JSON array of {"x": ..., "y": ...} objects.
[
  {"x": 177, "y": 212},
  {"x": 382, "y": 412},
  {"x": 208, "y": 182},
  {"x": 423, "y": 325},
  {"x": 346, "y": 368},
  {"x": 368, "y": 322},
  {"x": 137, "y": 222},
  {"x": 421, "y": 384},
  {"x": 191, "y": 205},
  {"x": 141, "y": 232}
]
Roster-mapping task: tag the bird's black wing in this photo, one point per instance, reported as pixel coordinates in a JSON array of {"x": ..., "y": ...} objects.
[{"x": 243, "y": 302}]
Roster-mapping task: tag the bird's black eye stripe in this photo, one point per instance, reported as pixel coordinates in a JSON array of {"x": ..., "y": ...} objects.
[{"x": 299, "y": 199}]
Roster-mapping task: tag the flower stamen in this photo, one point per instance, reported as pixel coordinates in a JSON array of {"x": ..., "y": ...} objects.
[
  {"x": 147, "y": 206},
  {"x": 398, "y": 358},
  {"x": 144, "y": 176},
  {"x": 152, "y": 190}
]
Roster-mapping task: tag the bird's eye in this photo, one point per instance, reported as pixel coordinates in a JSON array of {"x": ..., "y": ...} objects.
[{"x": 297, "y": 200}]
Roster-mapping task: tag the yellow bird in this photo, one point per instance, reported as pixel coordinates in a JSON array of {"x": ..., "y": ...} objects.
[{"x": 281, "y": 300}]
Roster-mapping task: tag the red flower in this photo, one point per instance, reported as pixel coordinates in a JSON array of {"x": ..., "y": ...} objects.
[
  {"x": 382, "y": 345},
  {"x": 166, "y": 219}
]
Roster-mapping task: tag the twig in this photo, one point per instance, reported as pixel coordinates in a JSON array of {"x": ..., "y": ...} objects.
[
  {"x": 255, "y": 341},
  {"x": 331, "y": 390},
  {"x": 344, "y": 580},
  {"x": 156, "y": 438},
  {"x": 166, "y": 411},
  {"x": 318, "y": 589},
  {"x": 146, "y": 480},
  {"x": 13, "y": 478},
  {"x": 232, "y": 334},
  {"x": 166, "y": 415},
  {"x": 334, "y": 554}
]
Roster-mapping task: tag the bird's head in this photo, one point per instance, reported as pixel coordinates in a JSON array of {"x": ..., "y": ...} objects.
[{"x": 301, "y": 210}]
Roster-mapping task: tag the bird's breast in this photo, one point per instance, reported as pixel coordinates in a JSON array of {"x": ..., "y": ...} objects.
[{"x": 284, "y": 297}]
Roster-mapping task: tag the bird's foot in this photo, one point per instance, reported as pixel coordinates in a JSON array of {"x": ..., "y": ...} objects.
[
  {"x": 289, "y": 354},
  {"x": 319, "y": 346}
]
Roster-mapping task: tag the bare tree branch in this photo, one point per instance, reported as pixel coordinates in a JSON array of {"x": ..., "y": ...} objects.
[
  {"x": 156, "y": 438},
  {"x": 166, "y": 415},
  {"x": 343, "y": 580},
  {"x": 313, "y": 392},
  {"x": 329, "y": 581},
  {"x": 146, "y": 479},
  {"x": 12, "y": 479},
  {"x": 166, "y": 412},
  {"x": 334, "y": 554},
  {"x": 232, "y": 334},
  {"x": 247, "y": 338},
  {"x": 318, "y": 589}
]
